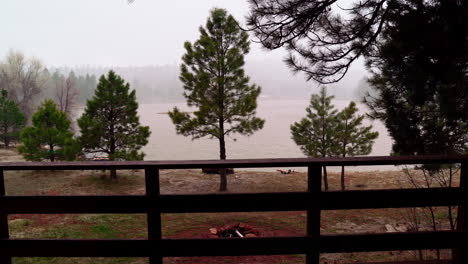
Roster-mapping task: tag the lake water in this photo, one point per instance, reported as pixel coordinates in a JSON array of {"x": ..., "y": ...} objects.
[{"x": 273, "y": 141}]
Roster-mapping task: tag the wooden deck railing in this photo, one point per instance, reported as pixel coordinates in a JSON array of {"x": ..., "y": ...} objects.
[{"x": 313, "y": 201}]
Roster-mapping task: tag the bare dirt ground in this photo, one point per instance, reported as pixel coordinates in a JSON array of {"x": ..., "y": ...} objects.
[
  {"x": 198, "y": 225},
  {"x": 10, "y": 154}
]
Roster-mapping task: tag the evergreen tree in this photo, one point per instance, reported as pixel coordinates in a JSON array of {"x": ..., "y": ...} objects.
[
  {"x": 316, "y": 133},
  {"x": 110, "y": 124},
  {"x": 11, "y": 120},
  {"x": 352, "y": 137},
  {"x": 421, "y": 89},
  {"x": 215, "y": 83},
  {"x": 49, "y": 137},
  {"x": 323, "y": 38},
  {"x": 420, "y": 85}
]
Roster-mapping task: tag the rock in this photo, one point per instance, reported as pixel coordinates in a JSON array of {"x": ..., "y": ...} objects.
[
  {"x": 346, "y": 226},
  {"x": 241, "y": 225},
  {"x": 236, "y": 230},
  {"x": 401, "y": 228},
  {"x": 390, "y": 228},
  {"x": 396, "y": 228}
]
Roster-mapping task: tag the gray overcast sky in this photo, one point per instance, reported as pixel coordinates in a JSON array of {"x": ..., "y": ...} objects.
[
  {"x": 114, "y": 33},
  {"x": 110, "y": 32}
]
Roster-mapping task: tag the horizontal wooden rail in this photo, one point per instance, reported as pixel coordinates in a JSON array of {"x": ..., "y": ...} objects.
[
  {"x": 153, "y": 204},
  {"x": 410, "y": 262},
  {"x": 229, "y": 247},
  {"x": 246, "y": 202},
  {"x": 240, "y": 163}
]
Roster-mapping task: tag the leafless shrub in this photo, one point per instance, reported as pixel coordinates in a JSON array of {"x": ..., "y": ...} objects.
[
  {"x": 23, "y": 78},
  {"x": 430, "y": 218}
]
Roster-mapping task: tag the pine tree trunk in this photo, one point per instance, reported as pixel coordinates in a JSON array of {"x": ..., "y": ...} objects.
[
  {"x": 325, "y": 178},
  {"x": 113, "y": 174},
  {"x": 342, "y": 179},
  {"x": 222, "y": 143},
  {"x": 52, "y": 155},
  {"x": 6, "y": 140},
  {"x": 344, "y": 155},
  {"x": 222, "y": 171}
]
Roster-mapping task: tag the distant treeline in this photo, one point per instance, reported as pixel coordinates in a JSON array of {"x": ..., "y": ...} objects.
[
  {"x": 152, "y": 83},
  {"x": 83, "y": 85},
  {"x": 161, "y": 83}
]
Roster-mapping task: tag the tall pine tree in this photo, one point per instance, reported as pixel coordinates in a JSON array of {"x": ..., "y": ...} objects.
[
  {"x": 216, "y": 85},
  {"x": 110, "y": 124},
  {"x": 352, "y": 137},
  {"x": 11, "y": 120},
  {"x": 420, "y": 80},
  {"x": 316, "y": 133}
]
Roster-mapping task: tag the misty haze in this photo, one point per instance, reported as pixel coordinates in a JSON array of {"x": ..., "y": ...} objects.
[
  {"x": 233, "y": 131},
  {"x": 152, "y": 68}
]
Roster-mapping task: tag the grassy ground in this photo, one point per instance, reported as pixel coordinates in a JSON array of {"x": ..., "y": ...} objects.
[{"x": 113, "y": 226}]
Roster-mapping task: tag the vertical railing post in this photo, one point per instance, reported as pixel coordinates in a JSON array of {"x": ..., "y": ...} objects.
[
  {"x": 4, "y": 233},
  {"x": 461, "y": 254},
  {"x": 154, "y": 213},
  {"x": 314, "y": 187}
]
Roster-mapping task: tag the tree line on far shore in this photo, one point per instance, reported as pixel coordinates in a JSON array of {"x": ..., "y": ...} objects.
[{"x": 28, "y": 81}]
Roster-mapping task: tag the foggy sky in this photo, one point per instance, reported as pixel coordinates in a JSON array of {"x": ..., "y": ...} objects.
[
  {"x": 108, "y": 32},
  {"x": 115, "y": 33}
]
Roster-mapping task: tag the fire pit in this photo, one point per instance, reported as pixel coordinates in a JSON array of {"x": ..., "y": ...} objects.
[{"x": 236, "y": 230}]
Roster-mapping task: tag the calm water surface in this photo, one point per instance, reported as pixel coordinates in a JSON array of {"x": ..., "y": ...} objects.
[{"x": 273, "y": 141}]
